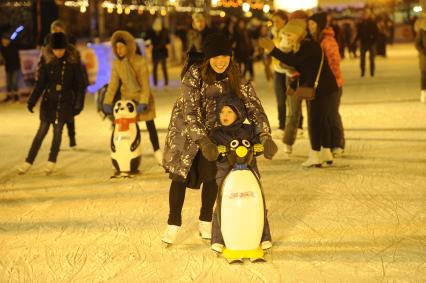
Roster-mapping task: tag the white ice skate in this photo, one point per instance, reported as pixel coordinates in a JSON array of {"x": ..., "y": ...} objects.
[
  {"x": 158, "y": 155},
  {"x": 338, "y": 152},
  {"x": 266, "y": 245},
  {"x": 313, "y": 160},
  {"x": 288, "y": 149},
  {"x": 218, "y": 247},
  {"x": 23, "y": 168},
  {"x": 326, "y": 156},
  {"x": 50, "y": 167},
  {"x": 170, "y": 234},
  {"x": 205, "y": 230},
  {"x": 423, "y": 96}
]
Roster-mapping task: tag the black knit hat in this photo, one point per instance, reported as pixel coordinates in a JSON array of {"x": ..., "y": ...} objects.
[
  {"x": 58, "y": 40},
  {"x": 321, "y": 20},
  {"x": 216, "y": 44}
]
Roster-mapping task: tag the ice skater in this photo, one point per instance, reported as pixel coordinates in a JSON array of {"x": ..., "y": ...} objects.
[
  {"x": 231, "y": 115},
  {"x": 130, "y": 73},
  {"x": 189, "y": 154},
  {"x": 60, "y": 84}
]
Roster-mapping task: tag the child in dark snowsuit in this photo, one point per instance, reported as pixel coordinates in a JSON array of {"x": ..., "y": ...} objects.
[{"x": 232, "y": 114}]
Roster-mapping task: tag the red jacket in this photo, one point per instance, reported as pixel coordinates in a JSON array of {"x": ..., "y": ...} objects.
[{"x": 331, "y": 51}]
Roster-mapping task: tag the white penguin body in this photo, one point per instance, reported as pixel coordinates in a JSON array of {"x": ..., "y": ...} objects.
[
  {"x": 125, "y": 139},
  {"x": 242, "y": 211}
]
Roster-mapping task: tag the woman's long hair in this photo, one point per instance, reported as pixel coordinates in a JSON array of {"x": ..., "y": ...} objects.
[{"x": 233, "y": 74}]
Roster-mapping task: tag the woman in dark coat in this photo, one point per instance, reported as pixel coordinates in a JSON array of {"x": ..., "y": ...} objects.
[
  {"x": 189, "y": 154},
  {"x": 306, "y": 57},
  {"x": 61, "y": 86}
]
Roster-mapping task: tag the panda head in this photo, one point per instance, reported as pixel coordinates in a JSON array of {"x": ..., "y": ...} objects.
[{"x": 125, "y": 109}]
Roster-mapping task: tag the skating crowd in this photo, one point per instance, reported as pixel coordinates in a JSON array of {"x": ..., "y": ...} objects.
[{"x": 301, "y": 54}]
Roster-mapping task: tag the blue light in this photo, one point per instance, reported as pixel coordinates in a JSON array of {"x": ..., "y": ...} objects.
[
  {"x": 16, "y": 32},
  {"x": 20, "y": 28}
]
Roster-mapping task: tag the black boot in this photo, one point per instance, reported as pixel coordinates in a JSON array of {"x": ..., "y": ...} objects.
[{"x": 73, "y": 143}]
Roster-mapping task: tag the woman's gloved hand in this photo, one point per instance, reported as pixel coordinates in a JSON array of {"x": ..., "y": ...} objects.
[
  {"x": 141, "y": 108},
  {"x": 269, "y": 146},
  {"x": 208, "y": 149}
]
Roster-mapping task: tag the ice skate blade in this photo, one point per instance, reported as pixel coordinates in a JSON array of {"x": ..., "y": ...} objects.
[
  {"x": 312, "y": 166},
  {"x": 235, "y": 260},
  {"x": 257, "y": 260},
  {"x": 165, "y": 244}
]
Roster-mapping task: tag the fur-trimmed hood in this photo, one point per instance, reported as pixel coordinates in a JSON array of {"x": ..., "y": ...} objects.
[
  {"x": 71, "y": 54},
  {"x": 127, "y": 38},
  {"x": 420, "y": 23}
]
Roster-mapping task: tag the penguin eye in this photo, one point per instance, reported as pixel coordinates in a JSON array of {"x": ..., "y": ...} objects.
[
  {"x": 119, "y": 104},
  {"x": 234, "y": 143},
  {"x": 130, "y": 107},
  {"x": 246, "y": 143}
]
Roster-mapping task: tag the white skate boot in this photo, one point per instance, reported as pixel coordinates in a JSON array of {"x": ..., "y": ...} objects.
[
  {"x": 266, "y": 245},
  {"x": 158, "y": 155},
  {"x": 50, "y": 167},
  {"x": 313, "y": 160},
  {"x": 205, "y": 230},
  {"x": 338, "y": 152},
  {"x": 170, "y": 234},
  {"x": 218, "y": 247},
  {"x": 423, "y": 96},
  {"x": 326, "y": 156},
  {"x": 23, "y": 168}
]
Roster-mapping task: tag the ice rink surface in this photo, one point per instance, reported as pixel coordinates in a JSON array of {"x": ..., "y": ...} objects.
[{"x": 362, "y": 220}]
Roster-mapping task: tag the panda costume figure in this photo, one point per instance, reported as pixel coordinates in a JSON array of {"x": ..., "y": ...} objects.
[
  {"x": 240, "y": 227},
  {"x": 125, "y": 139}
]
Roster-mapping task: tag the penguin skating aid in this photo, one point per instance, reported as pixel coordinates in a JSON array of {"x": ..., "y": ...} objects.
[{"x": 125, "y": 140}]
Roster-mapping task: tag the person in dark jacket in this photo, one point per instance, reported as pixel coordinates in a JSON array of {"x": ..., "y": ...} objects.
[
  {"x": 231, "y": 115},
  {"x": 420, "y": 44},
  {"x": 244, "y": 49},
  {"x": 324, "y": 35},
  {"x": 367, "y": 34},
  {"x": 189, "y": 153},
  {"x": 61, "y": 88},
  {"x": 306, "y": 57},
  {"x": 55, "y": 27},
  {"x": 160, "y": 38},
  {"x": 10, "y": 53}
]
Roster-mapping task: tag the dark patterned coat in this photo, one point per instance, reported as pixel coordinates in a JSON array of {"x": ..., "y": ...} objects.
[{"x": 194, "y": 116}]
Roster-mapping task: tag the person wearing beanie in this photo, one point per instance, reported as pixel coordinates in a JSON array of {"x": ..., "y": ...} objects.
[
  {"x": 58, "y": 26},
  {"x": 9, "y": 50},
  {"x": 189, "y": 153},
  {"x": 130, "y": 76},
  {"x": 324, "y": 34},
  {"x": 60, "y": 83},
  {"x": 306, "y": 56}
]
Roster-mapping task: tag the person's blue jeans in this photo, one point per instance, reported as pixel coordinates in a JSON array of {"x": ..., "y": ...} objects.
[
  {"x": 39, "y": 137},
  {"x": 12, "y": 81}
]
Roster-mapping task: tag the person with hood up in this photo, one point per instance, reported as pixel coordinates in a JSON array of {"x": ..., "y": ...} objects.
[
  {"x": 307, "y": 57},
  {"x": 189, "y": 154},
  {"x": 160, "y": 38},
  {"x": 130, "y": 73},
  {"x": 320, "y": 32},
  {"x": 420, "y": 43},
  {"x": 60, "y": 83},
  {"x": 231, "y": 116}
]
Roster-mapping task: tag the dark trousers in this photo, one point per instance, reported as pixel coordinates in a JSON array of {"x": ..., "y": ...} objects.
[
  {"x": 321, "y": 114},
  {"x": 153, "y": 136},
  {"x": 423, "y": 80},
  {"x": 163, "y": 63},
  {"x": 12, "y": 81},
  {"x": 280, "y": 89},
  {"x": 337, "y": 130},
  {"x": 371, "y": 49},
  {"x": 177, "y": 198},
  {"x": 71, "y": 131},
  {"x": 39, "y": 137},
  {"x": 248, "y": 68}
]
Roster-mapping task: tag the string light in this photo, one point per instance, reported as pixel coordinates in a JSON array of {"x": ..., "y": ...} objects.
[
  {"x": 246, "y": 7},
  {"x": 266, "y": 8}
]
